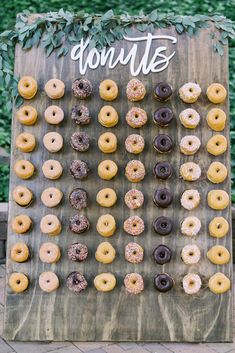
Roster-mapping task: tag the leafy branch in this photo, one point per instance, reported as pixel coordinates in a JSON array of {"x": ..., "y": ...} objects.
[{"x": 55, "y": 29}]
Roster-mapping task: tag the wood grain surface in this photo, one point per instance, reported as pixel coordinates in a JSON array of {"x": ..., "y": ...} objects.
[{"x": 118, "y": 316}]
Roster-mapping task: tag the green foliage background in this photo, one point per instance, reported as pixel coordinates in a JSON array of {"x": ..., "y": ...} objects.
[{"x": 9, "y": 9}]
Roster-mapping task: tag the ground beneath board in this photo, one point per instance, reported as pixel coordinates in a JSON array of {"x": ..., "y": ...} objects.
[{"x": 102, "y": 347}]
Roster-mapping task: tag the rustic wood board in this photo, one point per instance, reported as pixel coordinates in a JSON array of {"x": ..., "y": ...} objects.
[{"x": 118, "y": 316}]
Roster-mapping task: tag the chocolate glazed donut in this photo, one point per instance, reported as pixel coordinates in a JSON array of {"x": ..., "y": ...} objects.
[
  {"x": 162, "y": 197},
  {"x": 163, "y": 282},
  {"x": 162, "y": 91},
  {"x": 163, "y": 225},
  {"x": 163, "y": 116},
  {"x": 162, "y": 254},
  {"x": 163, "y": 143},
  {"x": 162, "y": 170}
]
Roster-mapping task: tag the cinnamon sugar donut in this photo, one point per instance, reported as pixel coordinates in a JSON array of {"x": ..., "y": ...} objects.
[
  {"x": 135, "y": 171},
  {"x": 135, "y": 90},
  {"x": 134, "y": 144},
  {"x": 134, "y": 283},
  {"x": 136, "y": 117},
  {"x": 134, "y": 225}
]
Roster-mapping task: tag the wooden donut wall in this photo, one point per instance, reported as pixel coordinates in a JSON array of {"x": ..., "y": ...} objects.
[{"x": 117, "y": 315}]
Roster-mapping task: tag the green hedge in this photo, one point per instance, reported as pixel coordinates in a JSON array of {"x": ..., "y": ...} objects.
[{"x": 9, "y": 9}]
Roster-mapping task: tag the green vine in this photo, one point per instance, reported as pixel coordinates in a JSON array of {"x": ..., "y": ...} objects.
[{"x": 53, "y": 30}]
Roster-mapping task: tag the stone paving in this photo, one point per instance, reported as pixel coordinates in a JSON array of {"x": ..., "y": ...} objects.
[{"x": 102, "y": 347}]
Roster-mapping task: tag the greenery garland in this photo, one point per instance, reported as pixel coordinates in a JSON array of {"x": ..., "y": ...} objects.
[{"x": 53, "y": 30}]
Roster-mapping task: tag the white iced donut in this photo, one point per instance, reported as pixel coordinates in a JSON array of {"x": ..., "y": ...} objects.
[
  {"x": 190, "y": 171},
  {"x": 192, "y": 283},
  {"x": 190, "y": 254},
  {"x": 189, "y": 118},
  {"x": 189, "y": 144},
  {"x": 190, "y": 92},
  {"x": 191, "y": 226},
  {"x": 190, "y": 199}
]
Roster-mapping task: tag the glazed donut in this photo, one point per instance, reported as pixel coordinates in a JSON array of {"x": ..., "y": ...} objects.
[
  {"x": 216, "y": 93},
  {"x": 218, "y": 255},
  {"x": 134, "y": 199},
  {"x": 25, "y": 142},
  {"x": 162, "y": 91},
  {"x": 191, "y": 226},
  {"x": 54, "y": 115},
  {"x": 134, "y": 225},
  {"x": 105, "y": 282},
  {"x": 80, "y": 141},
  {"x": 190, "y": 199},
  {"x": 134, "y": 144},
  {"x": 189, "y": 118},
  {"x": 218, "y": 199},
  {"x": 163, "y": 116},
  {"x": 134, "y": 283},
  {"x": 190, "y": 171},
  {"x": 79, "y": 223},
  {"x": 21, "y": 224},
  {"x": 24, "y": 169},
  {"x": 219, "y": 283},
  {"x": 27, "y": 87},
  {"x": 217, "y": 172},
  {"x": 105, "y": 253},
  {"x": 18, "y": 282},
  {"x": 135, "y": 171},
  {"x": 19, "y": 252},
  {"x": 191, "y": 254},
  {"x": 22, "y": 195},
  {"x": 48, "y": 281},
  {"x": 189, "y": 145},
  {"x": 77, "y": 252},
  {"x": 162, "y": 170},
  {"x": 134, "y": 253},
  {"x": 108, "y": 90},
  {"x": 106, "y": 197},
  {"x": 106, "y": 225},
  {"x": 190, "y": 92},
  {"x": 51, "y": 197},
  {"x": 162, "y": 197},
  {"x": 80, "y": 115},
  {"x": 76, "y": 282},
  {"x": 53, "y": 141},
  {"x": 162, "y": 225},
  {"x": 192, "y": 283},
  {"x": 108, "y": 116},
  {"x": 81, "y": 88},
  {"x": 163, "y": 143},
  {"x": 27, "y": 115},
  {"x": 107, "y": 169},
  {"x": 162, "y": 254},
  {"x": 136, "y": 117},
  {"x": 216, "y": 119},
  {"x": 218, "y": 227},
  {"x": 107, "y": 142},
  {"x": 50, "y": 225},
  {"x": 135, "y": 90},
  {"x": 78, "y": 198},
  {"x": 79, "y": 169},
  {"x": 54, "y": 88},
  {"x": 49, "y": 253},
  {"x": 52, "y": 169},
  {"x": 217, "y": 145},
  {"x": 163, "y": 282}
]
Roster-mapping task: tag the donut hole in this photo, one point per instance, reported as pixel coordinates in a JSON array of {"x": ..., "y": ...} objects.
[
  {"x": 216, "y": 117},
  {"x": 48, "y": 251},
  {"x": 106, "y": 223},
  {"x": 25, "y": 140},
  {"x": 217, "y": 143},
  {"x": 190, "y": 198},
  {"x": 79, "y": 113},
  {"x": 135, "y": 170},
  {"x": 190, "y": 116},
  {"x": 51, "y": 196},
  {"x": 107, "y": 140},
  {"x": 107, "y": 167},
  {"x": 108, "y": 113},
  {"x": 135, "y": 88},
  {"x": 49, "y": 223},
  {"x": 134, "y": 252},
  {"x": 163, "y": 282},
  {"x": 18, "y": 281},
  {"x": 191, "y": 253},
  {"x": 190, "y": 170},
  {"x": 18, "y": 251},
  {"x": 162, "y": 255},
  {"x": 134, "y": 224},
  {"x": 162, "y": 169},
  {"x": 219, "y": 198},
  {"x": 219, "y": 226},
  {"x": 23, "y": 167},
  {"x": 136, "y": 115},
  {"x": 47, "y": 281},
  {"x": 104, "y": 281},
  {"x": 107, "y": 196},
  {"x": 53, "y": 113},
  {"x": 26, "y": 84},
  {"x": 219, "y": 283},
  {"x": 163, "y": 142},
  {"x": 133, "y": 281},
  {"x": 105, "y": 252},
  {"x": 217, "y": 91},
  {"x": 217, "y": 170},
  {"x": 20, "y": 223},
  {"x": 191, "y": 283},
  {"x": 190, "y": 143},
  {"x": 108, "y": 88},
  {"x": 80, "y": 85},
  {"x": 163, "y": 225},
  {"x": 134, "y": 142},
  {"x": 191, "y": 225},
  {"x": 190, "y": 89},
  {"x": 26, "y": 112},
  {"x": 134, "y": 197},
  {"x": 21, "y": 194},
  {"x": 54, "y": 85},
  {"x": 219, "y": 254},
  {"x": 51, "y": 167},
  {"x": 163, "y": 197},
  {"x": 163, "y": 115},
  {"x": 52, "y": 140}
]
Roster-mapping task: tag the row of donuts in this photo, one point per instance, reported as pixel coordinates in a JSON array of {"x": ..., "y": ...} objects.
[
  {"x": 106, "y": 253},
  {"x": 108, "y": 90},
  {"x": 133, "y": 282},
  {"x": 134, "y": 170},
  {"x": 136, "y": 117}
]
